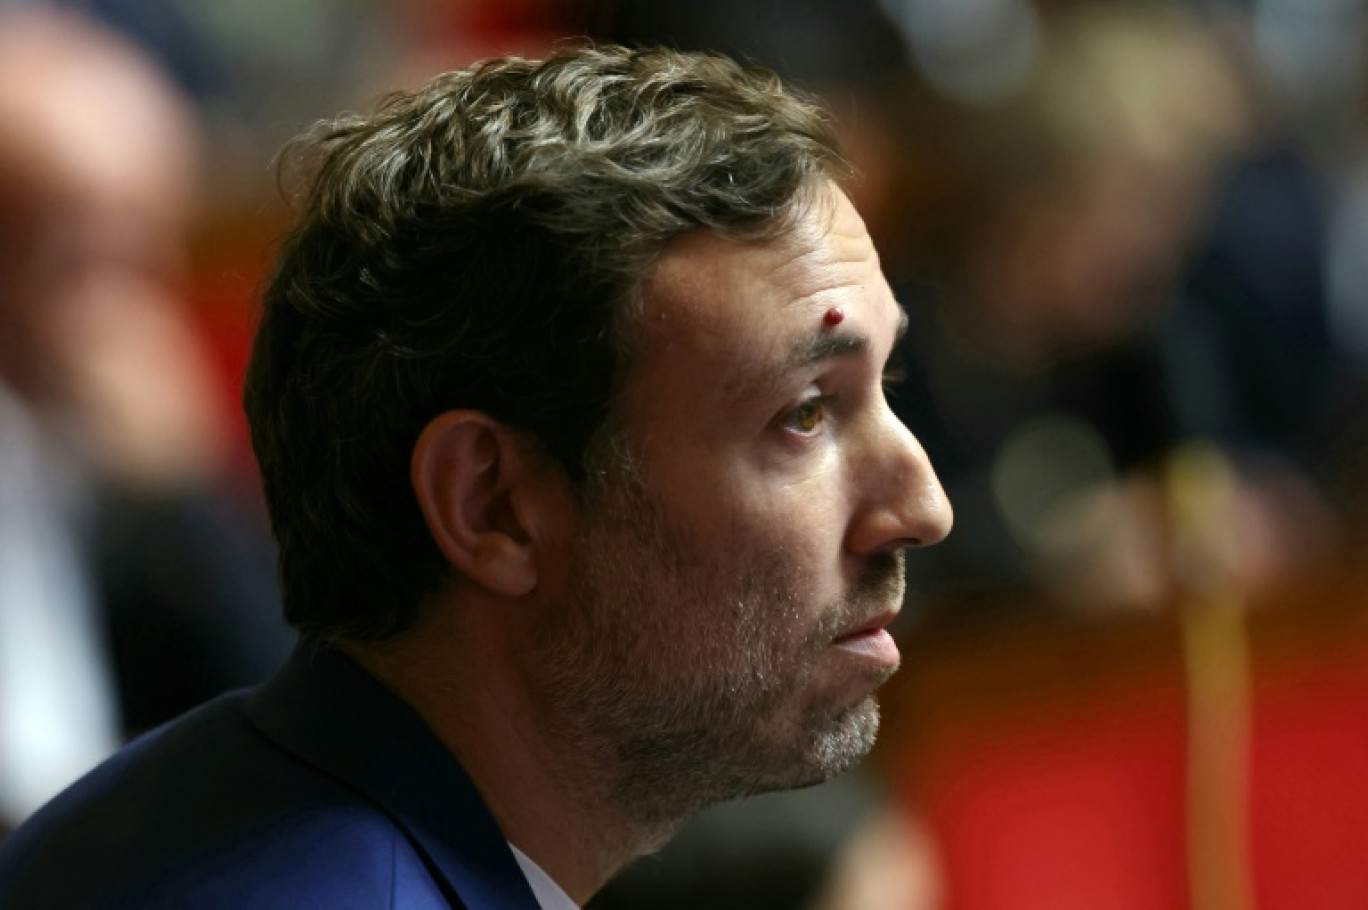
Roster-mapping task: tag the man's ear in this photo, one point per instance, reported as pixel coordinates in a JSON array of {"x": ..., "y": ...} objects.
[{"x": 484, "y": 494}]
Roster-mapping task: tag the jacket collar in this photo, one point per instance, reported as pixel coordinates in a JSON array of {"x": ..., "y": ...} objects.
[{"x": 329, "y": 713}]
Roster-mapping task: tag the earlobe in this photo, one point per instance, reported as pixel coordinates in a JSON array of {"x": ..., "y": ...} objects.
[{"x": 466, "y": 471}]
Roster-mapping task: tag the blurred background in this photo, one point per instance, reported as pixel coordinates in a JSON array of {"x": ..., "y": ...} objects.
[{"x": 1132, "y": 238}]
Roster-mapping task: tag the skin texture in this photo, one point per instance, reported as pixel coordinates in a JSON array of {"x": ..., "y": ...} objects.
[
  {"x": 772, "y": 500},
  {"x": 704, "y": 622}
]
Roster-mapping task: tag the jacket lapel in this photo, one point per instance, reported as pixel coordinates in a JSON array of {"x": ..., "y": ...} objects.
[{"x": 330, "y": 714}]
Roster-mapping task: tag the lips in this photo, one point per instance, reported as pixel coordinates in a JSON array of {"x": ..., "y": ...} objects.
[
  {"x": 872, "y": 641},
  {"x": 867, "y": 627}
]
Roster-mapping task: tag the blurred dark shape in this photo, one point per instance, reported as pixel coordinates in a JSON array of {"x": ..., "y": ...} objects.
[
  {"x": 257, "y": 72},
  {"x": 168, "y": 31},
  {"x": 974, "y": 53},
  {"x": 833, "y": 847},
  {"x": 821, "y": 45},
  {"x": 770, "y": 851},
  {"x": 1340, "y": 441},
  {"x": 1248, "y": 347},
  {"x": 1102, "y": 262},
  {"x": 133, "y": 586}
]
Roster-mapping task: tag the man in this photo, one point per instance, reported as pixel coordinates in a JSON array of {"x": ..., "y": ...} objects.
[{"x": 568, "y": 402}]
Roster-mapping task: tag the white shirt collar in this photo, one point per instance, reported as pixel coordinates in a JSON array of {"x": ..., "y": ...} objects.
[{"x": 549, "y": 894}]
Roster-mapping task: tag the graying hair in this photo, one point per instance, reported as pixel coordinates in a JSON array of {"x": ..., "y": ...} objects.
[{"x": 475, "y": 244}]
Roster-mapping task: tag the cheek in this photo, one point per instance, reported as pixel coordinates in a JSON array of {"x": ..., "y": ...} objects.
[
  {"x": 743, "y": 516},
  {"x": 806, "y": 518},
  {"x": 791, "y": 546},
  {"x": 769, "y": 493}
]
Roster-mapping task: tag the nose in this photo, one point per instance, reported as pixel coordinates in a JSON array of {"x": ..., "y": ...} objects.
[{"x": 901, "y": 502}]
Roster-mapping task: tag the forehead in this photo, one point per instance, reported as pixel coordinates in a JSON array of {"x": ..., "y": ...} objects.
[
  {"x": 826, "y": 237},
  {"x": 737, "y": 302},
  {"x": 725, "y": 322}
]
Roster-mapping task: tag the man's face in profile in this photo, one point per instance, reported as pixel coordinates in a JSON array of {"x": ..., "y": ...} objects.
[{"x": 729, "y": 593}]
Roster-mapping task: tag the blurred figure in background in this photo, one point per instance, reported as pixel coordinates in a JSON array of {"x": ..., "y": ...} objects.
[
  {"x": 1049, "y": 375},
  {"x": 129, "y": 588},
  {"x": 1118, "y": 349}
]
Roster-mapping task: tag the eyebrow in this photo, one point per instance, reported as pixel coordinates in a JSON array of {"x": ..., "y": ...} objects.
[
  {"x": 825, "y": 344},
  {"x": 828, "y": 344}
]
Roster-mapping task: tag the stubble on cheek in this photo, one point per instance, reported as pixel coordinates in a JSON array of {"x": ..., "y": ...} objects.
[{"x": 684, "y": 671}]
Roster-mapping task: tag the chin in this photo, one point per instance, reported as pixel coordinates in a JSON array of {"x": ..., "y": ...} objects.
[
  {"x": 834, "y": 742},
  {"x": 840, "y": 749}
]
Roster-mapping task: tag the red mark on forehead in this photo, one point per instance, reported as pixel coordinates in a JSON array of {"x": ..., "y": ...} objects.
[{"x": 833, "y": 316}]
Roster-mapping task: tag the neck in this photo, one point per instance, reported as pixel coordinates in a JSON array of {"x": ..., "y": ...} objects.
[{"x": 466, "y": 677}]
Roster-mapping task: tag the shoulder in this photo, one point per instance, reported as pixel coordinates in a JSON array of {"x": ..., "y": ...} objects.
[{"x": 206, "y": 812}]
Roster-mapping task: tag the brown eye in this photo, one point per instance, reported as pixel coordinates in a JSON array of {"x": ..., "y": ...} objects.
[{"x": 807, "y": 416}]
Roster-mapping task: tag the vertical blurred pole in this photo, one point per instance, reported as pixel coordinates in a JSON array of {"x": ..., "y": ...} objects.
[{"x": 1201, "y": 490}]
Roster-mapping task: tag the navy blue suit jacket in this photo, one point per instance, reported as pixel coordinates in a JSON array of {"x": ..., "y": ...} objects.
[{"x": 319, "y": 789}]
